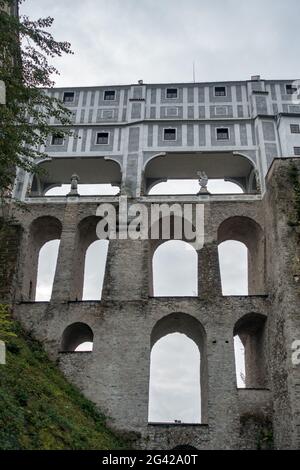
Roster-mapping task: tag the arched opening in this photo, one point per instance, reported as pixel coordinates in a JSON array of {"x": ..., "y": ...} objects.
[
  {"x": 233, "y": 260},
  {"x": 77, "y": 337},
  {"x": 46, "y": 270},
  {"x": 94, "y": 270},
  {"x": 249, "y": 232},
  {"x": 178, "y": 371},
  {"x": 251, "y": 331},
  {"x": 191, "y": 186},
  {"x": 240, "y": 369},
  {"x": 220, "y": 168},
  {"x": 41, "y": 258},
  {"x": 95, "y": 174},
  {"x": 90, "y": 262},
  {"x": 175, "y": 270}
]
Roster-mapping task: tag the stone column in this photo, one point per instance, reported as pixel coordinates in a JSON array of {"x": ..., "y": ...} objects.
[{"x": 66, "y": 255}]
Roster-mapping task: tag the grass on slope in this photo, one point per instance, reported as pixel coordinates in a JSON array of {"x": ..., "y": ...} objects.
[{"x": 39, "y": 409}]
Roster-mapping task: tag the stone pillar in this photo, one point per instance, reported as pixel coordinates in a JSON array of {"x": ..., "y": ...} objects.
[
  {"x": 283, "y": 267},
  {"x": 67, "y": 253},
  {"x": 126, "y": 276},
  {"x": 209, "y": 278}
]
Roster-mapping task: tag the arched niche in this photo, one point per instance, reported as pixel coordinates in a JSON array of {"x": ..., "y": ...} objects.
[
  {"x": 251, "y": 329},
  {"x": 42, "y": 230},
  {"x": 76, "y": 335},
  {"x": 249, "y": 232},
  {"x": 228, "y": 166},
  {"x": 86, "y": 235},
  {"x": 189, "y": 326}
]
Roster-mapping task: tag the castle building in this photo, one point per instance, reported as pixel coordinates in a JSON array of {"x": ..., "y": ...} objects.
[{"x": 134, "y": 137}]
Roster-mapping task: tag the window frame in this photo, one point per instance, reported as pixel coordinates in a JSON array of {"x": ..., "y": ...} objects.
[
  {"x": 54, "y": 136},
  {"x": 171, "y": 115},
  {"x": 297, "y": 151},
  {"x": 105, "y": 111},
  {"x": 68, "y": 93},
  {"x": 102, "y": 143},
  {"x": 223, "y": 129},
  {"x": 171, "y": 97},
  {"x": 169, "y": 129},
  {"x": 295, "y": 126},
  {"x": 292, "y": 89},
  {"x": 109, "y": 91},
  {"x": 218, "y": 95}
]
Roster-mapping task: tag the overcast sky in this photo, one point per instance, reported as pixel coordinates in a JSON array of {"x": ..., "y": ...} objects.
[{"x": 122, "y": 41}]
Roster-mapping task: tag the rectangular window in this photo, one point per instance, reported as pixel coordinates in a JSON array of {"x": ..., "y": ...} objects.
[
  {"x": 297, "y": 150},
  {"x": 57, "y": 139},
  {"x": 220, "y": 90},
  {"x": 171, "y": 93},
  {"x": 102, "y": 138},
  {"x": 222, "y": 133},
  {"x": 69, "y": 96},
  {"x": 290, "y": 89},
  {"x": 170, "y": 134},
  {"x": 295, "y": 129},
  {"x": 109, "y": 95}
]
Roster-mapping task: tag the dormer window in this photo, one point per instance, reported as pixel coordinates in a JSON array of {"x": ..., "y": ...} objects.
[
  {"x": 109, "y": 95},
  {"x": 102, "y": 138},
  {"x": 220, "y": 91},
  {"x": 69, "y": 97},
  {"x": 223, "y": 133},
  {"x": 171, "y": 93}
]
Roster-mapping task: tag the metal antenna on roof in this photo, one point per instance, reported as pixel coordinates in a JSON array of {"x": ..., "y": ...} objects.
[{"x": 194, "y": 73}]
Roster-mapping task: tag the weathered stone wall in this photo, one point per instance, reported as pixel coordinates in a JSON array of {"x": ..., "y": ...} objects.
[{"x": 116, "y": 374}]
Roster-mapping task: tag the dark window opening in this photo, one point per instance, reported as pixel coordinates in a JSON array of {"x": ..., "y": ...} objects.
[
  {"x": 109, "y": 95},
  {"x": 297, "y": 150},
  {"x": 169, "y": 134},
  {"x": 295, "y": 129},
  {"x": 57, "y": 139},
  {"x": 102, "y": 138},
  {"x": 69, "y": 97},
  {"x": 222, "y": 134},
  {"x": 290, "y": 89},
  {"x": 171, "y": 93},
  {"x": 220, "y": 91}
]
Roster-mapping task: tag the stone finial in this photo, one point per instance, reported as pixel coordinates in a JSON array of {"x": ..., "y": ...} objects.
[
  {"x": 203, "y": 180},
  {"x": 74, "y": 185}
]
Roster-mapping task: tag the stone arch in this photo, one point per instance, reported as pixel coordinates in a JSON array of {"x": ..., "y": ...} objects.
[
  {"x": 186, "y": 267},
  {"x": 85, "y": 236},
  {"x": 42, "y": 230},
  {"x": 191, "y": 327},
  {"x": 91, "y": 170},
  {"x": 175, "y": 221},
  {"x": 251, "y": 329},
  {"x": 74, "y": 335},
  {"x": 248, "y": 231},
  {"x": 184, "y": 165}
]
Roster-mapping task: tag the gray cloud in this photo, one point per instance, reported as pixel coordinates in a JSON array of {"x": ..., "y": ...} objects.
[{"x": 121, "y": 41}]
